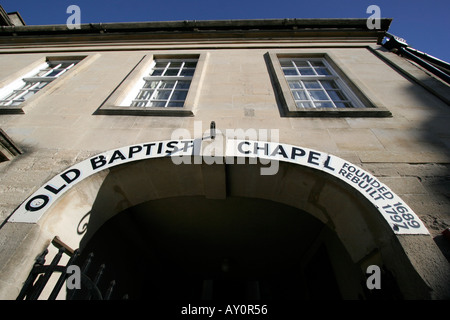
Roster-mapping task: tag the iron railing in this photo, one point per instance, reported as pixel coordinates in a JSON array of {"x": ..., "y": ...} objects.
[{"x": 40, "y": 274}]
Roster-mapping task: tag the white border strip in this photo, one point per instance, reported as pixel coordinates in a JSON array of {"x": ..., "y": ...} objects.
[{"x": 395, "y": 211}]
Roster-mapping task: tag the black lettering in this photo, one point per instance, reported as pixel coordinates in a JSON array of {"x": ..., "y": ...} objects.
[
  {"x": 388, "y": 195},
  {"x": 313, "y": 156},
  {"x": 172, "y": 145},
  {"x": 367, "y": 178},
  {"x": 359, "y": 173},
  {"x": 98, "y": 162},
  {"x": 279, "y": 150},
  {"x": 375, "y": 184},
  {"x": 240, "y": 147},
  {"x": 327, "y": 164},
  {"x": 265, "y": 148},
  {"x": 149, "y": 148},
  {"x": 34, "y": 204},
  {"x": 67, "y": 178},
  {"x": 186, "y": 145},
  {"x": 133, "y": 150},
  {"x": 379, "y": 197},
  {"x": 297, "y": 152},
  {"x": 116, "y": 155},
  {"x": 372, "y": 193},
  {"x": 362, "y": 186},
  {"x": 54, "y": 190}
]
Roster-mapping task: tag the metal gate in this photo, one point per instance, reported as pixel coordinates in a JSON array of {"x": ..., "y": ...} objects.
[{"x": 40, "y": 274}]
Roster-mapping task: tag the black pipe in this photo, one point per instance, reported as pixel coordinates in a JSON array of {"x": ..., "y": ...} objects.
[
  {"x": 402, "y": 48},
  {"x": 437, "y": 72}
]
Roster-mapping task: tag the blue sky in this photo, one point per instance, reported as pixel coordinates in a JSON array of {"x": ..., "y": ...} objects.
[{"x": 424, "y": 24}]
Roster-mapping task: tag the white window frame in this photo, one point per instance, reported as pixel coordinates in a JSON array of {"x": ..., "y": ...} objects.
[
  {"x": 362, "y": 105},
  {"x": 10, "y": 103},
  {"x": 140, "y": 86},
  {"x": 119, "y": 102},
  {"x": 351, "y": 99},
  {"x": 33, "y": 78}
]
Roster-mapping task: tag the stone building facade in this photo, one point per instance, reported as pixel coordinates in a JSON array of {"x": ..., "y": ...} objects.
[{"x": 217, "y": 159}]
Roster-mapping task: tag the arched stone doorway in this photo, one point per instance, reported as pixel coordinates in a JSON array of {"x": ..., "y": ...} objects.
[
  {"x": 345, "y": 230},
  {"x": 169, "y": 219}
]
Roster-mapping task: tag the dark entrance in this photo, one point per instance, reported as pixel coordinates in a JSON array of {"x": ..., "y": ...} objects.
[{"x": 197, "y": 248}]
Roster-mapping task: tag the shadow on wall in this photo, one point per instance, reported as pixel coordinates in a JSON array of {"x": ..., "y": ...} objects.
[{"x": 427, "y": 132}]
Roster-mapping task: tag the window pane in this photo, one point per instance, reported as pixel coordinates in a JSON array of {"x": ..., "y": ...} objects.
[
  {"x": 343, "y": 105},
  {"x": 27, "y": 85},
  {"x": 138, "y": 104},
  {"x": 145, "y": 94},
  {"x": 17, "y": 102},
  {"x": 175, "y": 64},
  {"x": 65, "y": 65},
  {"x": 42, "y": 72},
  {"x": 156, "y": 72},
  {"x": 311, "y": 84},
  {"x": 175, "y": 104},
  {"x": 157, "y": 104},
  {"x": 187, "y": 72},
  {"x": 162, "y": 95},
  {"x": 304, "y": 105},
  {"x": 317, "y": 64},
  {"x": 286, "y": 63},
  {"x": 318, "y": 95},
  {"x": 307, "y": 72},
  {"x": 167, "y": 84},
  {"x": 160, "y": 64},
  {"x": 290, "y": 71},
  {"x": 30, "y": 93},
  {"x": 192, "y": 64},
  {"x": 171, "y": 72},
  {"x": 179, "y": 95},
  {"x": 323, "y": 105},
  {"x": 301, "y": 63},
  {"x": 151, "y": 84},
  {"x": 183, "y": 84},
  {"x": 329, "y": 84},
  {"x": 13, "y": 95},
  {"x": 322, "y": 71},
  {"x": 336, "y": 95},
  {"x": 300, "y": 95},
  {"x": 54, "y": 73},
  {"x": 295, "y": 84},
  {"x": 40, "y": 85}
]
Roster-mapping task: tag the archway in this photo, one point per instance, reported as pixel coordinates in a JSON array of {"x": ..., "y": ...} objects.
[
  {"x": 335, "y": 233},
  {"x": 351, "y": 224}
]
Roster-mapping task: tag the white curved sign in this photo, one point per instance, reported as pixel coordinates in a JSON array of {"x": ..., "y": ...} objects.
[{"x": 396, "y": 212}]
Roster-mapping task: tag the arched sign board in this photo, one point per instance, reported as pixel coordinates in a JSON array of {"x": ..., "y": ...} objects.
[{"x": 396, "y": 212}]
